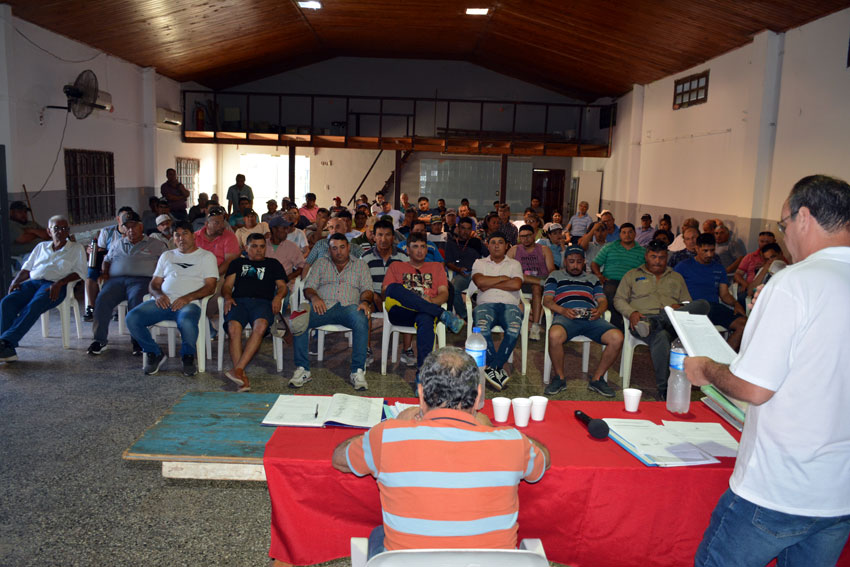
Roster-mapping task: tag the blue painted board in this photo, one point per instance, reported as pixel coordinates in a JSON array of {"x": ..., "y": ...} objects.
[{"x": 209, "y": 427}]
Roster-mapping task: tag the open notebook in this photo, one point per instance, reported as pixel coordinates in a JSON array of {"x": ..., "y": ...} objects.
[{"x": 319, "y": 411}]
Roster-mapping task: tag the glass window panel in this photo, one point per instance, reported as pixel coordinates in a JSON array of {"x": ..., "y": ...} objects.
[
  {"x": 678, "y": 99},
  {"x": 702, "y": 81},
  {"x": 679, "y": 87},
  {"x": 701, "y": 94}
]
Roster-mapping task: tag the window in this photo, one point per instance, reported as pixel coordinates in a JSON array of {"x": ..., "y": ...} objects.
[
  {"x": 90, "y": 182},
  {"x": 477, "y": 180},
  {"x": 187, "y": 174},
  {"x": 690, "y": 91}
]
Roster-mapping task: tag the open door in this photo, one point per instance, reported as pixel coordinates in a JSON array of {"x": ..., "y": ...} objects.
[{"x": 548, "y": 186}]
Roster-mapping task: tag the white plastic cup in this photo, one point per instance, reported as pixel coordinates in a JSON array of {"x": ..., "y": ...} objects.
[
  {"x": 522, "y": 411},
  {"x": 501, "y": 409},
  {"x": 538, "y": 407},
  {"x": 631, "y": 396}
]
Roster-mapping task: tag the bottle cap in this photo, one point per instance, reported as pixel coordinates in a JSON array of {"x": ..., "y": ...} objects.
[{"x": 476, "y": 329}]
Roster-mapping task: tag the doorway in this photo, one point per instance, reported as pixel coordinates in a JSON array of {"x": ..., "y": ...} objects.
[{"x": 548, "y": 186}]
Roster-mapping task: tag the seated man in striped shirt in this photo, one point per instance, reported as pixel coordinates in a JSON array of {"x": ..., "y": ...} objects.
[
  {"x": 578, "y": 304},
  {"x": 446, "y": 434}
]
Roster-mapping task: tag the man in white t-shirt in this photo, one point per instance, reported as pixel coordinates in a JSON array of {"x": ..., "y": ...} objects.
[
  {"x": 789, "y": 495},
  {"x": 182, "y": 278}
]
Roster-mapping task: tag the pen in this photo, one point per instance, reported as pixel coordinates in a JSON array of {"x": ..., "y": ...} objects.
[{"x": 315, "y": 415}]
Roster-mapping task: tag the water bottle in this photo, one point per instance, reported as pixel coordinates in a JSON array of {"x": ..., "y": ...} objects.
[
  {"x": 476, "y": 347},
  {"x": 678, "y": 385},
  {"x": 93, "y": 255}
]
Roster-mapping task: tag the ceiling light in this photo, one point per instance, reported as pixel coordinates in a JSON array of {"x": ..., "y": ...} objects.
[
  {"x": 311, "y": 5},
  {"x": 477, "y": 11}
]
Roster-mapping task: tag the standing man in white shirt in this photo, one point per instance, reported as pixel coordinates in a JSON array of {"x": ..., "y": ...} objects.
[
  {"x": 40, "y": 285},
  {"x": 789, "y": 495}
]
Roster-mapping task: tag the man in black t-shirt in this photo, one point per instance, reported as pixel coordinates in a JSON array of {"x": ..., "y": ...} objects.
[
  {"x": 253, "y": 292},
  {"x": 462, "y": 250}
]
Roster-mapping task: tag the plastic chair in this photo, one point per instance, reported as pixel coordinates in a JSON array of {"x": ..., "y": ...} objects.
[
  {"x": 64, "y": 308},
  {"x": 630, "y": 342},
  {"x": 585, "y": 348},
  {"x": 277, "y": 342},
  {"x": 392, "y": 331},
  {"x": 526, "y": 314},
  {"x": 295, "y": 300},
  {"x": 122, "y": 318},
  {"x": 203, "y": 341},
  {"x": 529, "y": 554}
]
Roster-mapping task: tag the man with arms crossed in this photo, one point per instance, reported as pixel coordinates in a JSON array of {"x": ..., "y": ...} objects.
[
  {"x": 789, "y": 495},
  {"x": 182, "y": 278},
  {"x": 253, "y": 293},
  {"x": 578, "y": 303},
  {"x": 430, "y": 449}
]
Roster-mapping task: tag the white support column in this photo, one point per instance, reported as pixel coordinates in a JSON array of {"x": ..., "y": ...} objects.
[{"x": 149, "y": 131}]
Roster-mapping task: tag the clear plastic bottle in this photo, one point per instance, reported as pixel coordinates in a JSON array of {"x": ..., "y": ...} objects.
[
  {"x": 476, "y": 347},
  {"x": 678, "y": 385}
]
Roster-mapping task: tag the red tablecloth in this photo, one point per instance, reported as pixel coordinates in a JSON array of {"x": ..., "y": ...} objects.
[{"x": 597, "y": 505}]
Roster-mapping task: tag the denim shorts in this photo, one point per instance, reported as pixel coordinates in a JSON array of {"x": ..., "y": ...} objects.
[
  {"x": 249, "y": 309},
  {"x": 593, "y": 330}
]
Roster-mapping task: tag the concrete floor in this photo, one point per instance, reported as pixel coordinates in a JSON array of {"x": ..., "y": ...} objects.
[{"x": 67, "y": 496}]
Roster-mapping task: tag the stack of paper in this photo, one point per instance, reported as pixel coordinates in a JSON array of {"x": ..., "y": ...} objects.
[{"x": 654, "y": 445}]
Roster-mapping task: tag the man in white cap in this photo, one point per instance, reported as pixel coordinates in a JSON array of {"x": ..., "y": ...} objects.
[{"x": 165, "y": 231}]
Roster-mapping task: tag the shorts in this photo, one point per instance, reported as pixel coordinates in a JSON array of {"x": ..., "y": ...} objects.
[
  {"x": 249, "y": 309},
  {"x": 526, "y": 287},
  {"x": 721, "y": 315},
  {"x": 593, "y": 330}
]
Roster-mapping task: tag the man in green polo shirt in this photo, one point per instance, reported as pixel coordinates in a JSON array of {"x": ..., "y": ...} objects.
[{"x": 613, "y": 261}]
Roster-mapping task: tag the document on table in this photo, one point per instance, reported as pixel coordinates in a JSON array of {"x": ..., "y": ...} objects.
[
  {"x": 712, "y": 438},
  {"x": 391, "y": 412},
  {"x": 654, "y": 445},
  {"x": 699, "y": 337},
  {"x": 320, "y": 411}
]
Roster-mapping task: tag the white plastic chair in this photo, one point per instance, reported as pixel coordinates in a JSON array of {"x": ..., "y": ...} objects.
[
  {"x": 526, "y": 314},
  {"x": 295, "y": 300},
  {"x": 529, "y": 554},
  {"x": 549, "y": 317},
  {"x": 392, "y": 331},
  {"x": 203, "y": 346},
  {"x": 122, "y": 317},
  {"x": 630, "y": 342},
  {"x": 277, "y": 342},
  {"x": 64, "y": 308}
]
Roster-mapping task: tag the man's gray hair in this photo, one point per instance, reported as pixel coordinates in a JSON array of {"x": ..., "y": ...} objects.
[
  {"x": 52, "y": 220},
  {"x": 449, "y": 379},
  {"x": 827, "y": 198}
]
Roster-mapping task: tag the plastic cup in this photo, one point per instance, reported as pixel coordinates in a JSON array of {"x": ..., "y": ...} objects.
[
  {"x": 538, "y": 407},
  {"x": 631, "y": 396},
  {"x": 501, "y": 409},
  {"x": 522, "y": 411}
]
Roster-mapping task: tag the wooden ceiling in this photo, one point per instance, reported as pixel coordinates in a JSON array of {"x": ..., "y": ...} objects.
[{"x": 581, "y": 48}]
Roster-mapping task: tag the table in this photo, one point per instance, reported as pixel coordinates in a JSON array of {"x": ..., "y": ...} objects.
[
  {"x": 209, "y": 435},
  {"x": 596, "y": 505}
]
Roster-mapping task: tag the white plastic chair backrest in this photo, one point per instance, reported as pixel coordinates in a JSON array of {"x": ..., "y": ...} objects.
[
  {"x": 296, "y": 294},
  {"x": 458, "y": 558}
]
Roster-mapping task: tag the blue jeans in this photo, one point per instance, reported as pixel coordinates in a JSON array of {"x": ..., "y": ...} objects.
[
  {"x": 21, "y": 309},
  {"x": 114, "y": 291},
  {"x": 741, "y": 533},
  {"x": 149, "y": 313},
  {"x": 506, "y": 316},
  {"x": 376, "y": 542},
  {"x": 414, "y": 311},
  {"x": 461, "y": 283},
  {"x": 347, "y": 316}
]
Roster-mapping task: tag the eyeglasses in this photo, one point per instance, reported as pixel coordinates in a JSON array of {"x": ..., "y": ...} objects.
[
  {"x": 60, "y": 228},
  {"x": 783, "y": 223},
  {"x": 657, "y": 245}
]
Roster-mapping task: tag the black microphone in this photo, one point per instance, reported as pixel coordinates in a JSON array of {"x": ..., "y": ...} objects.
[{"x": 596, "y": 427}]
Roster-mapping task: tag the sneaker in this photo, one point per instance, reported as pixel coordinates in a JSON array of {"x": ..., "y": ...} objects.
[
  {"x": 369, "y": 356},
  {"x": 97, "y": 348},
  {"x": 555, "y": 386},
  {"x": 408, "y": 357},
  {"x": 7, "y": 353},
  {"x": 494, "y": 377},
  {"x": 505, "y": 377},
  {"x": 153, "y": 362},
  {"x": 534, "y": 332},
  {"x": 643, "y": 328},
  {"x": 189, "y": 368},
  {"x": 452, "y": 321},
  {"x": 89, "y": 315},
  {"x": 601, "y": 387},
  {"x": 300, "y": 378},
  {"x": 358, "y": 380},
  {"x": 238, "y": 377},
  {"x": 137, "y": 349}
]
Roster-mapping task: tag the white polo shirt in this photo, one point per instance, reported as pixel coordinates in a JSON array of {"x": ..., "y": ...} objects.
[
  {"x": 45, "y": 263},
  {"x": 507, "y": 267}
]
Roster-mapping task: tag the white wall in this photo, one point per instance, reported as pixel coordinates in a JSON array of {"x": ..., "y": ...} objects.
[
  {"x": 777, "y": 110},
  {"x": 813, "y": 133}
]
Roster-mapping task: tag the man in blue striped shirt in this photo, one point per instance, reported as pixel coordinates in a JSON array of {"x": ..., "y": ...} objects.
[{"x": 578, "y": 303}]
